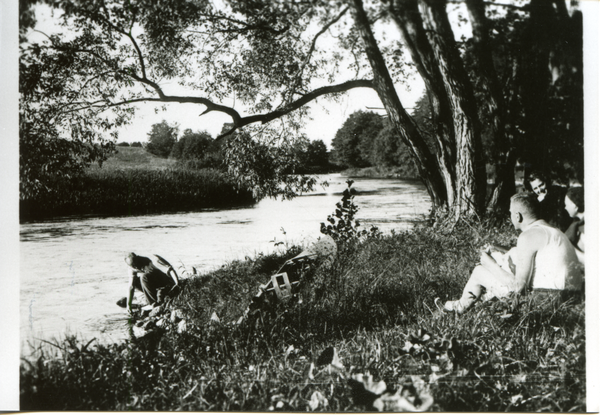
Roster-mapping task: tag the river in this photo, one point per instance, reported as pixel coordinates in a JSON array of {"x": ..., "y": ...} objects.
[{"x": 73, "y": 269}]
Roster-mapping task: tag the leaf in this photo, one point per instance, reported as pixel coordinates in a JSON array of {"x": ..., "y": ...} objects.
[
  {"x": 330, "y": 357},
  {"x": 401, "y": 401},
  {"x": 317, "y": 399},
  {"x": 326, "y": 356}
]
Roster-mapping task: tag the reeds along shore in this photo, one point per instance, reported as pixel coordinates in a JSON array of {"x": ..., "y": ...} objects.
[
  {"x": 134, "y": 191},
  {"x": 374, "y": 305}
]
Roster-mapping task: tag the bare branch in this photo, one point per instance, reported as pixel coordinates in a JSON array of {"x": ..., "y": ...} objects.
[{"x": 330, "y": 89}]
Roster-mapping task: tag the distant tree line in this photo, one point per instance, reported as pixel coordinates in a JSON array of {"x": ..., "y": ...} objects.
[
  {"x": 368, "y": 139},
  {"x": 198, "y": 149},
  {"x": 126, "y": 144}
]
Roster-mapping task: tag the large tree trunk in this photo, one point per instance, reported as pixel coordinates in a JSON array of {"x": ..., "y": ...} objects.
[
  {"x": 504, "y": 186},
  {"x": 430, "y": 40},
  {"x": 405, "y": 13},
  {"x": 404, "y": 124},
  {"x": 470, "y": 167}
]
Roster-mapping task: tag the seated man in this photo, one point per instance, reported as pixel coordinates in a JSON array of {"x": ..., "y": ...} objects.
[
  {"x": 148, "y": 279},
  {"x": 543, "y": 259}
]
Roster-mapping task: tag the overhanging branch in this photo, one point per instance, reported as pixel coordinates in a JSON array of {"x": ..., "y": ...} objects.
[{"x": 238, "y": 120}]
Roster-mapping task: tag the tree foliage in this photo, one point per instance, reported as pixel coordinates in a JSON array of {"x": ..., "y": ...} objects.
[
  {"x": 354, "y": 140},
  {"x": 519, "y": 72},
  {"x": 389, "y": 151},
  {"x": 368, "y": 139},
  {"x": 162, "y": 138},
  {"x": 192, "y": 145},
  {"x": 198, "y": 150},
  {"x": 311, "y": 155}
]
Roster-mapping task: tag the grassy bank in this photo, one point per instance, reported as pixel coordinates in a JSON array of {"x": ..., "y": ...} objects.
[
  {"x": 134, "y": 182},
  {"x": 374, "y": 305},
  {"x": 134, "y": 191},
  {"x": 135, "y": 158}
]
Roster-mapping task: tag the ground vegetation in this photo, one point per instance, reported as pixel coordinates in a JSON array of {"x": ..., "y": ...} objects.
[
  {"x": 361, "y": 334},
  {"x": 134, "y": 182},
  {"x": 374, "y": 306}
]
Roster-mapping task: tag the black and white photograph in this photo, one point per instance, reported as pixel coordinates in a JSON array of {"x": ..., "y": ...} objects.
[{"x": 299, "y": 205}]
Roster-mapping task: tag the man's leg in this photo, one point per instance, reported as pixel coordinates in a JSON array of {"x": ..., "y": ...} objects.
[
  {"x": 480, "y": 278},
  {"x": 149, "y": 288}
]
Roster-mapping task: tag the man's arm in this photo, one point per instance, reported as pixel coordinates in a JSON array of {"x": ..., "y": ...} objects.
[
  {"x": 171, "y": 272},
  {"x": 131, "y": 291},
  {"x": 504, "y": 277}
]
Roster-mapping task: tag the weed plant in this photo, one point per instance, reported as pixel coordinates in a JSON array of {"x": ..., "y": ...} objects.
[
  {"x": 374, "y": 304},
  {"x": 135, "y": 191}
]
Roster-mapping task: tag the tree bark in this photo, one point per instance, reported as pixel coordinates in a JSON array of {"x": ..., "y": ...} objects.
[
  {"x": 405, "y": 14},
  {"x": 504, "y": 186},
  {"x": 470, "y": 167},
  {"x": 404, "y": 124}
]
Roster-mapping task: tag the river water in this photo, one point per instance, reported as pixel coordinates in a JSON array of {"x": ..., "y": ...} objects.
[{"x": 73, "y": 269}]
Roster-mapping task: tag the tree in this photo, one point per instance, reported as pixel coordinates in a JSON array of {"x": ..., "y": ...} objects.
[
  {"x": 192, "y": 145},
  {"x": 161, "y": 139},
  {"x": 310, "y": 154},
  {"x": 353, "y": 142},
  {"x": 269, "y": 56},
  {"x": 316, "y": 154},
  {"x": 389, "y": 151}
]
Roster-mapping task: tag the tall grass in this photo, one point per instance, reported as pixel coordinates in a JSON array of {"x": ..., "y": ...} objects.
[
  {"x": 374, "y": 304},
  {"x": 135, "y": 191}
]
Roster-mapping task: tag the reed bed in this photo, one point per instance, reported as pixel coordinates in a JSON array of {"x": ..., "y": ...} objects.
[
  {"x": 137, "y": 191},
  {"x": 373, "y": 306}
]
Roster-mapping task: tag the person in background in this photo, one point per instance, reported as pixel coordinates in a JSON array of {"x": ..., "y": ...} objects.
[
  {"x": 149, "y": 279},
  {"x": 543, "y": 260},
  {"x": 575, "y": 206},
  {"x": 551, "y": 200}
]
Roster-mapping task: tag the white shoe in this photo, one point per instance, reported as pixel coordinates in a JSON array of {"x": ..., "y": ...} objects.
[
  {"x": 440, "y": 307},
  {"x": 454, "y": 306}
]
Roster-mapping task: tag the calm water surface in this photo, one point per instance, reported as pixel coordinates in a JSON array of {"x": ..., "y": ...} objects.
[{"x": 72, "y": 270}]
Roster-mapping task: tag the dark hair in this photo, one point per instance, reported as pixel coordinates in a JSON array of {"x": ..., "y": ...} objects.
[
  {"x": 528, "y": 203},
  {"x": 575, "y": 194},
  {"x": 137, "y": 262},
  {"x": 537, "y": 174}
]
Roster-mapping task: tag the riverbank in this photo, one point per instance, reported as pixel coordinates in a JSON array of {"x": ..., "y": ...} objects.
[
  {"x": 380, "y": 172},
  {"x": 370, "y": 311},
  {"x": 128, "y": 191}
]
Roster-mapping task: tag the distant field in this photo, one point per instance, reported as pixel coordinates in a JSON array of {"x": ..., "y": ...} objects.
[{"x": 135, "y": 158}]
